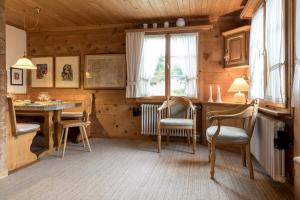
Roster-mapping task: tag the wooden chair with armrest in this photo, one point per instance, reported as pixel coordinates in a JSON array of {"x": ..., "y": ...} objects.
[
  {"x": 227, "y": 135},
  {"x": 180, "y": 115},
  {"x": 81, "y": 123},
  {"x": 20, "y": 140}
]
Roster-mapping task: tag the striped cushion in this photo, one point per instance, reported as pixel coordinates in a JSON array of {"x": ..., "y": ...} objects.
[
  {"x": 227, "y": 133},
  {"x": 176, "y": 122},
  {"x": 72, "y": 114}
]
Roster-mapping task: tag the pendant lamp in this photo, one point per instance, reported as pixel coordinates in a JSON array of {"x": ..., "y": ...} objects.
[{"x": 24, "y": 62}]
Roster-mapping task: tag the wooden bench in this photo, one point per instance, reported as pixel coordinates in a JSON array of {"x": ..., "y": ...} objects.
[{"x": 19, "y": 141}]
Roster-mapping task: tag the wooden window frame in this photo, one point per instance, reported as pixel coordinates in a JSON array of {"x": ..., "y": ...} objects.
[
  {"x": 168, "y": 67},
  {"x": 289, "y": 38}
]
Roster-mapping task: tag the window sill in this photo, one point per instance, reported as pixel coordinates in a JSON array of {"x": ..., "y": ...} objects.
[{"x": 275, "y": 113}]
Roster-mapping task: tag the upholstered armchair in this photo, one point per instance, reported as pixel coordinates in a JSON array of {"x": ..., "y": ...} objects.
[
  {"x": 176, "y": 114},
  {"x": 227, "y": 135}
]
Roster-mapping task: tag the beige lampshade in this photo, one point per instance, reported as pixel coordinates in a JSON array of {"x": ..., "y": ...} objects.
[
  {"x": 239, "y": 85},
  {"x": 24, "y": 63}
]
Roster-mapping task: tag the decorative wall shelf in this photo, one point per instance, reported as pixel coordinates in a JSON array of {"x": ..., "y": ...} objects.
[{"x": 174, "y": 29}]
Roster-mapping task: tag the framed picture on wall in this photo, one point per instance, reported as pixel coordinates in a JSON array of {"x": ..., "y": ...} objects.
[
  {"x": 42, "y": 77},
  {"x": 16, "y": 76},
  {"x": 67, "y": 72},
  {"x": 105, "y": 71}
]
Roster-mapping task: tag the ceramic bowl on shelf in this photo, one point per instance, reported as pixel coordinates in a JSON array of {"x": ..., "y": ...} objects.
[{"x": 180, "y": 22}]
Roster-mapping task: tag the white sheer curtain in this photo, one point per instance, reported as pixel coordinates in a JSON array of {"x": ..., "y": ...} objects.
[
  {"x": 184, "y": 53},
  {"x": 275, "y": 45},
  {"x": 256, "y": 55},
  {"x": 296, "y": 83},
  {"x": 154, "y": 49},
  {"x": 134, "y": 49}
]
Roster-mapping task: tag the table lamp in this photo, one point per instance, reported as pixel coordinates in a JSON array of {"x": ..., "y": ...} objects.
[{"x": 239, "y": 85}]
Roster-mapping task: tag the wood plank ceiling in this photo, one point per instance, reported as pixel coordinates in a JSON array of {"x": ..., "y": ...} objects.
[{"x": 60, "y": 13}]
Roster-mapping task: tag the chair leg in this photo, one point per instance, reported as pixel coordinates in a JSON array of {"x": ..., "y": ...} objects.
[
  {"x": 65, "y": 142},
  {"x": 249, "y": 161},
  {"x": 212, "y": 158},
  {"x": 60, "y": 139},
  {"x": 243, "y": 151},
  {"x": 188, "y": 140},
  {"x": 209, "y": 151},
  {"x": 194, "y": 141},
  {"x": 167, "y": 137},
  {"x": 86, "y": 138},
  {"x": 82, "y": 136},
  {"x": 158, "y": 141}
]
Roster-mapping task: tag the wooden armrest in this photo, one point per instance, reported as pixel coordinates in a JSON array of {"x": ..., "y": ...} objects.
[
  {"x": 232, "y": 111},
  {"x": 192, "y": 107},
  {"x": 241, "y": 115},
  {"x": 163, "y": 106}
]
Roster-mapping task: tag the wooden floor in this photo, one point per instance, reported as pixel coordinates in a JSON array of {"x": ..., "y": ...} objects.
[{"x": 122, "y": 169}]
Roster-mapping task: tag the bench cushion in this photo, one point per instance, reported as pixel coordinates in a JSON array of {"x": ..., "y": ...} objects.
[
  {"x": 176, "y": 122},
  {"x": 26, "y": 128},
  {"x": 72, "y": 114},
  {"x": 227, "y": 133}
]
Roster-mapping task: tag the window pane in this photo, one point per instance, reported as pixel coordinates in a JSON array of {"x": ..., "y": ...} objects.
[
  {"x": 275, "y": 45},
  {"x": 153, "y": 66},
  {"x": 256, "y": 56},
  {"x": 184, "y": 64}
]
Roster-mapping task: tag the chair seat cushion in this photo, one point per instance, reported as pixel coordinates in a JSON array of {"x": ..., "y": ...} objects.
[
  {"x": 72, "y": 114},
  {"x": 26, "y": 128},
  {"x": 176, "y": 122},
  {"x": 227, "y": 133}
]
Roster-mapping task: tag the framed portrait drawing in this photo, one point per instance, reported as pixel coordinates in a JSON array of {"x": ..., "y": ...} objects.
[
  {"x": 42, "y": 77},
  {"x": 105, "y": 71},
  {"x": 67, "y": 72},
  {"x": 16, "y": 76}
]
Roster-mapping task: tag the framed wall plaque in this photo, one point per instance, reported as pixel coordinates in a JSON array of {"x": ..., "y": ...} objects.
[
  {"x": 42, "y": 77},
  {"x": 16, "y": 76},
  {"x": 105, "y": 71},
  {"x": 67, "y": 72}
]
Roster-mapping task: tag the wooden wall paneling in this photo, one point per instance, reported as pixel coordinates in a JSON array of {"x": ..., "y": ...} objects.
[
  {"x": 3, "y": 93},
  {"x": 112, "y": 112}
]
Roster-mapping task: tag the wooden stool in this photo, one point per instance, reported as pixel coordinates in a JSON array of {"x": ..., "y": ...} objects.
[{"x": 66, "y": 124}]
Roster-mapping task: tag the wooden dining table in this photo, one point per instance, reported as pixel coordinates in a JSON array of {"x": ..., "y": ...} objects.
[{"x": 51, "y": 112}]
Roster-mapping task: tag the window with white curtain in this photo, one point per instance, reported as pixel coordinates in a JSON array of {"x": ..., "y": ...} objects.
[
  {"x": 268, "y": 67},
  {"x": 183, "y": 64},
  {"x": 275, "y": 46},
  {"x": 256, "y": 56},
  {"x": 152, "y": 74},
  {"x": 180, "y": 79},
  {"x": 296, "y": 82}
]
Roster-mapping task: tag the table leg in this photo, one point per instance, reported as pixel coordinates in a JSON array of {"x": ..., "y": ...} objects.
[
  {"x": 58, "y": 128},
  {"x": 48, "y": 129}
]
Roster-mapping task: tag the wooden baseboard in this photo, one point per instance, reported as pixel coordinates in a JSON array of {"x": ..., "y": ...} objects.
[{"x": 3, "y": 174}]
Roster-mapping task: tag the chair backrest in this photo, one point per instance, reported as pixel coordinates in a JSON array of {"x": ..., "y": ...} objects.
[
  {"x": 88, "y": 111},
  {"x": 12, "y": 116},
  {"x": 178, "y": 107},
  {"x": 249, "y": 125}
]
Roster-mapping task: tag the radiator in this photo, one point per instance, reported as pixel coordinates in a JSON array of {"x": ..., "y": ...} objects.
[
  {"x": 149, "y": 122},
  {"x": 262, "y": 147}
]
